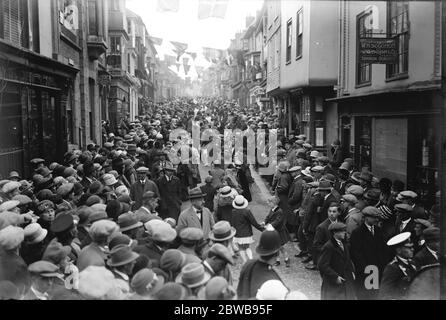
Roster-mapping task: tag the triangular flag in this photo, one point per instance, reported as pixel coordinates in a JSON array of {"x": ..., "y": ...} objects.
[
  {"x": 168, "y": 5},
  {"x": 155, "y": 40}
]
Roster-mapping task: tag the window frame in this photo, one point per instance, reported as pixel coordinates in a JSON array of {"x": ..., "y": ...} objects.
[
  {"x": 358, "y": 82},
  {"x": 299, "y": 33},
  {"x": 392, "y": 74},
  {"x": 289, "y": 40}
]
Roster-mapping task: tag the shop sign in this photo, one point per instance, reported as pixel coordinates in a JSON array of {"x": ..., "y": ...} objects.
[{"x": 378, "y": 50}]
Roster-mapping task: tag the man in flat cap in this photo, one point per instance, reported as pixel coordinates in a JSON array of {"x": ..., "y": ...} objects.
[
  {"x": 295, "y": 197},
  {"x": 351, "y": 215},
  {"x": 368, "y": 249},
  {"x": 399, "y": 273},
  {"x": 141, "y": 186},
  {"x": 217, "y": 262},
  {"x": 429, "y": 253},
  {"x": 336, "y": 267},
  {"x": 46, "y": 279},
  {"x": 409, "y": 197},
  {"x": 404, "y": 219},
  {"x": 66, "y": 192}
]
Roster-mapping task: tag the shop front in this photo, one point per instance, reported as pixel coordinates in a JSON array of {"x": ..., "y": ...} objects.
[
  {"x": 396, "y": 136},
  {"x": 35, "y": 92}
]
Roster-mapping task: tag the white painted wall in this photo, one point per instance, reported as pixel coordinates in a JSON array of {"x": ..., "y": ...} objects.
[
  {"x": 421, "y": 46},
  {"x": 45, "y": 28},
  {"x": 318, "y": 63}
]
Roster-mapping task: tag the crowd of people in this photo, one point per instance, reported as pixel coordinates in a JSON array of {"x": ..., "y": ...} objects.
[{"x": 122, "y": 220}]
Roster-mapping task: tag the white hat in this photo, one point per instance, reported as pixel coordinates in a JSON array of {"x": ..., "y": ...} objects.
[
  {"x": 272, "y": 290},
  {"x": 398, "y": 239},
  {"x": 109, "y": 179},
  {"x": 103, "y": 227},
  {"x": 11, "y": 237},
  {"x": 34, "y": 233},
  {"x": 9, "y": 205},
  {"x": 122, "y": 190},
  {"x": 96, "y": 282},
  {"x": 159, "y": 136},
  {"x": 239, "y": 202},
  {"x": 11, "y": 186}
]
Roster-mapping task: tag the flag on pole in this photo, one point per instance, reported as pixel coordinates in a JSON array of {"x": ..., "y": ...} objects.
[
  {"x": 212, "y": 9},
  {"x": 168, "y": 5}
]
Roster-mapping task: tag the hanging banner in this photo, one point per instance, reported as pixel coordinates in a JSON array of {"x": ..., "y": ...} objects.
[{"x": 378, "y": 50}]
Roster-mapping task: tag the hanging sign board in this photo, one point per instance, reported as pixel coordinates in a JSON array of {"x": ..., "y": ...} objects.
[{"x": 378, "y": 50}]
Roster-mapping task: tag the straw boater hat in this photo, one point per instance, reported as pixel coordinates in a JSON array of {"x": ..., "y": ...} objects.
[
  {"x": 240, "y": 202},
  {"x": 226, "y": 191}
]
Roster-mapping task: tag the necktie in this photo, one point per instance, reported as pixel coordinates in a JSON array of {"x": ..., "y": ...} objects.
[
  {"x": 372, "y": 230},
  {"x": 199, "y": 216}
]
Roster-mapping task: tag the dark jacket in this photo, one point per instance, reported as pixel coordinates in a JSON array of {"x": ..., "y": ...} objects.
[
  {"x": 152, "y": 252},
  {"x": 209, "y": 192},
  {"x": 311, "y": 219},
  {"x": 367, "y": 249},
  {"x": 333, "y": 263},
  {"x": 170, "y": 201},
  {"x": 396, "y": 280},
  {"x": 295, "y": 199},
  {"x": 321, "y": 237},
  {"x": 33, "y": 252},
  {"x": 243, "y": 221},
  {"x": 424, "y": 257},
  {"x": 137, "y": 190},
  {"x": 13, "y": 268},
  {"x": 224, "y": 208},
  {"x": 277, "y": 219},
  {"x": 245, "y": 179},
  {"x": 253, "y": 274}
]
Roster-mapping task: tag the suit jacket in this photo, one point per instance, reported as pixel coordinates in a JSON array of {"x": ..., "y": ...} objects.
[
  {"x": 424, "y": 257},
  {"x": 170, "y": 193},
  {"x": 321, "y": 237},
  {"x": 254, "y": 273},
  {"x": 188, "y": 218},
  {"x": 368, "y": 249},
  {"x": 333, "y": 263},
  {"x": 137, "y": 190},
  {"x": 91, "y": 255},
  {"x": 410, "y": 227}
]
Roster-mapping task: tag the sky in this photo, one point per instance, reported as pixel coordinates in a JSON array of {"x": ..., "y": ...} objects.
[{"x": 184, "y": 25}]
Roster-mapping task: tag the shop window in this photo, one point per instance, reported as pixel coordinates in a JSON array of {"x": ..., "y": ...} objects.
[
  {"x": 363, "y": 70},
  {"x": 398, "y": 27}
]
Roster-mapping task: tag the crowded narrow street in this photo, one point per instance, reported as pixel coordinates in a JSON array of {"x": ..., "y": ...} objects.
[{"x": 222, "y": 150}]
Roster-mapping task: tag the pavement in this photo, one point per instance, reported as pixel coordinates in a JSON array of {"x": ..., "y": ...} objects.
[{"x": 296, "y": 277}]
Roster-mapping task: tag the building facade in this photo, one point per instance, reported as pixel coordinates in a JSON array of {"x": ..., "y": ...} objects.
[{"x": 388, "y": 113}]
